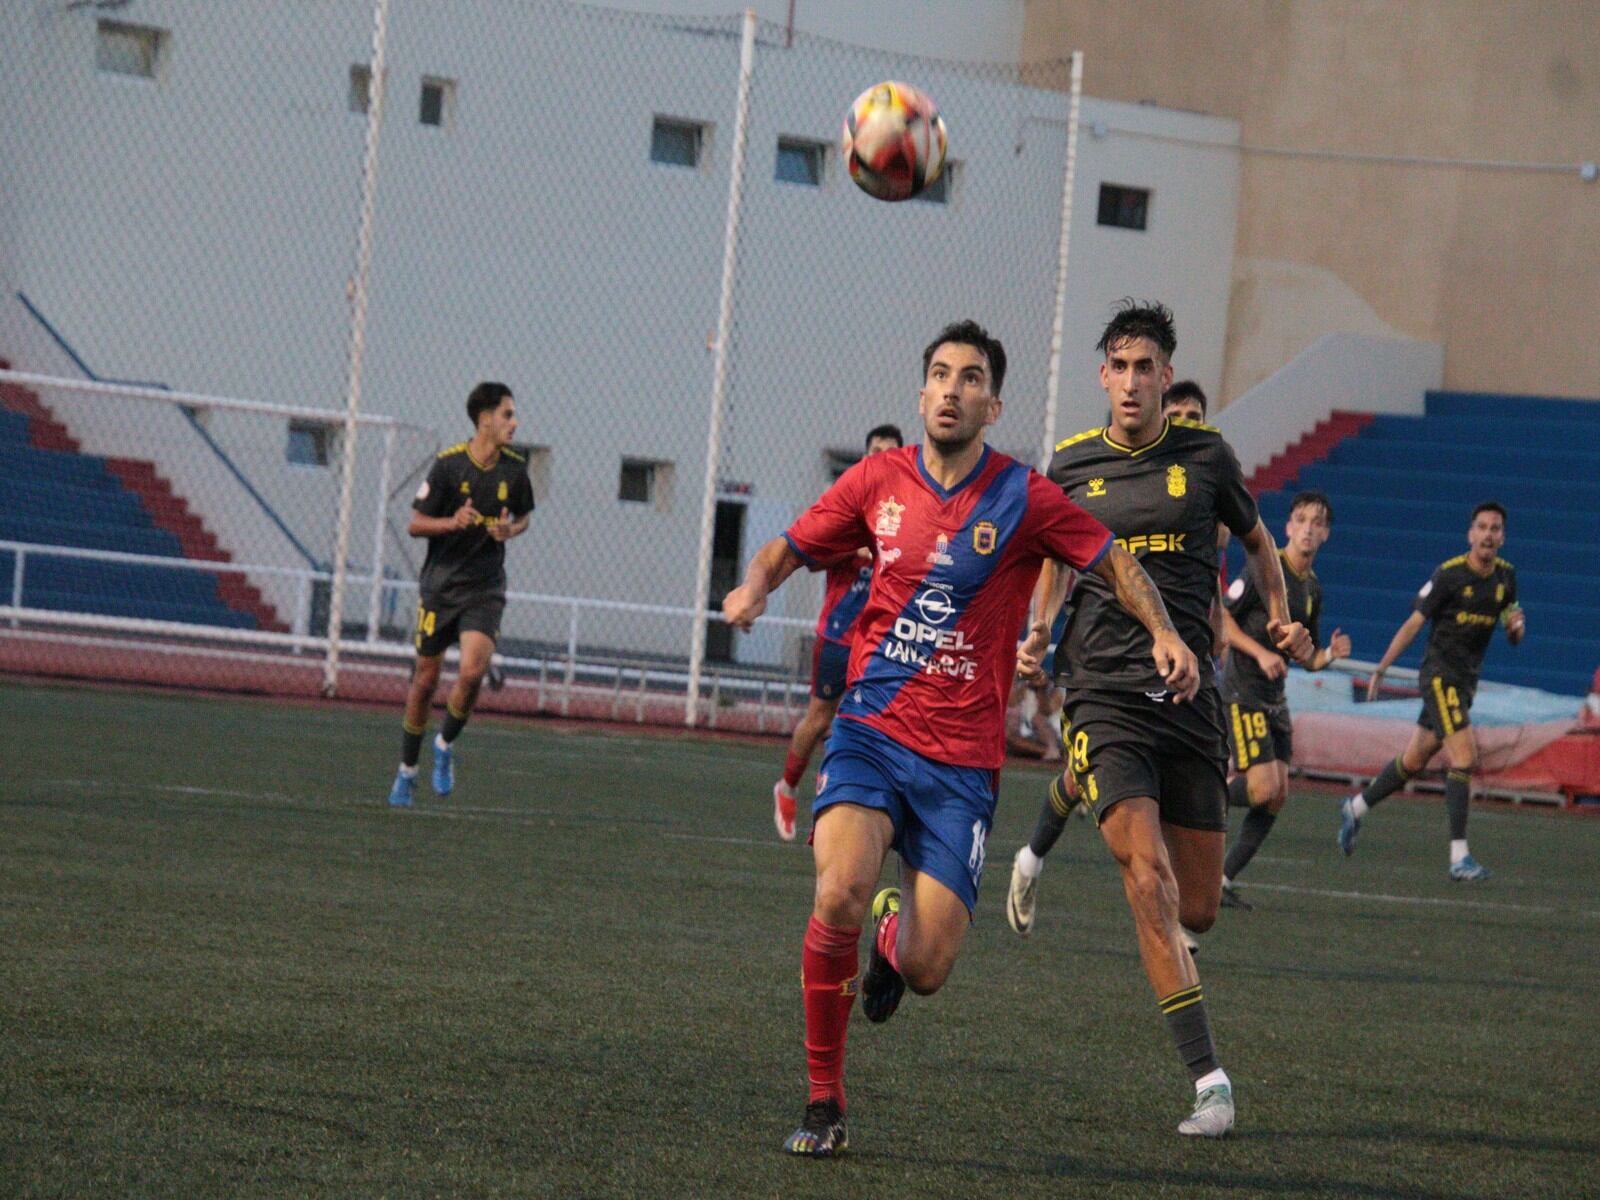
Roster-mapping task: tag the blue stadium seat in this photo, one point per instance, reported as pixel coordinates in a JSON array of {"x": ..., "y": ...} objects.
[
  {"x": 58, "y": 498},
  {"x": 1403, "y": 490}
]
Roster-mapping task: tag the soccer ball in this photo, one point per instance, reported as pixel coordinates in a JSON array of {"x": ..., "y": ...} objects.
[{"x": 894, "y": 141}]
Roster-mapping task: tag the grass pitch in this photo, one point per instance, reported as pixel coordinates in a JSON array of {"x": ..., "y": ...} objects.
[{"x": 229, "y": 969}]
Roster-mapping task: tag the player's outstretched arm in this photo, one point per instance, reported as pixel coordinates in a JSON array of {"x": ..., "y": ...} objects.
[
  {"x": 772, "y": 564},
  {"x": 1049, "y": 593},
  {"x": 1136, "y": 593},
  {"x": 1289, "y": 636},
  {"x": 1397, "y": 646},
  {"x": 1338, "y": 647}
]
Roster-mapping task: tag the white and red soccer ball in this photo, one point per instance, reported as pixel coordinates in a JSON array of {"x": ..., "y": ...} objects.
[{"x": 894, "y": 141}]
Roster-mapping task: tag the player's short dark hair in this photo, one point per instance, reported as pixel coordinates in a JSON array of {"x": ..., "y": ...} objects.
[
  {"x": 1313, "y": 497},
  {"x": 1135, "y": 320},
  {"x": 970, "y": 333},
  {"x": 885, "y": 431},
  {"x": 1490, "y": 506},
  {"x": 484, "y": 398},
  {"x": 1185, "y": 389}
]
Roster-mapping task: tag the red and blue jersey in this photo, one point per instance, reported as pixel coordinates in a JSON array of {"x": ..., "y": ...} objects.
[
  {"x": 935, "y": 650},
  {"x": 849, "y": 581}
]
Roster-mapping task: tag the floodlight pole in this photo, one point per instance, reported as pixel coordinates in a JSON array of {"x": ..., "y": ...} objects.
[
  {"x": 358, "y": 342},
  {"x": 1052, "y": 393},
  {"x": 719, "y": 385}
]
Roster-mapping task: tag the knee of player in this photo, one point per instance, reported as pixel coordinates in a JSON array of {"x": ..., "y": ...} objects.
[
  {"x": 925, "y": 978},
  {"x": 841, "y": 900},
  {"x": 426, "y": 676},
  {"x": 1150, "y": 884},
  {"x": 1198, "y": 917}
]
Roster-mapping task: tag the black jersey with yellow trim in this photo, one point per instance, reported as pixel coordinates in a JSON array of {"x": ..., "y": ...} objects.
[
  {"x": 1242, "y": 679},
  {"x": 1162, "y": 502},
  {"x": 1464, "y": 606},
  {"x": 469, "y": 560}
]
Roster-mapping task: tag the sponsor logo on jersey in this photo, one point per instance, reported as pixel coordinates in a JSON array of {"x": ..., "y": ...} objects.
[
  {"x": 888, "y": 524},
  {"x": 1097, "y": 487},
  {"x": 1466, "y": 618},
  {"x": 935, "y": 605},
  {"x": 984, "y": 537},
  {"x": 1177, "y": 481},
  {"x": 940, "y": 557},
  {"x": 1155, "y": 543}
]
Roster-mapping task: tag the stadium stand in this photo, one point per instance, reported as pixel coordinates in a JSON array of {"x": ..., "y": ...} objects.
[
  {"x": 1402, "y": 488},
  {"x": 59, "y": 496}
]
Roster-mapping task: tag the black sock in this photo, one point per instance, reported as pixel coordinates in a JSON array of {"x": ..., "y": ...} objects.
[
  {"x": 1191, "y": 1031},
  {"x": 1257, "y": 824},
  {"x": 453, "y": 722},
  {"x": 410, "y": 745},
  {"x": 1457, "y": 791},
  {"x": 1239, "y": 792},
  {"x": 1390, "y": 780},
  {"x": 1052, "y": 819}
]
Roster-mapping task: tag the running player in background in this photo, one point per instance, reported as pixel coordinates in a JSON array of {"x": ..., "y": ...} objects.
[
  {"x": 1185, "y": 401},
  {"x": 842, "y": 601},
  {"x": 1152, "y": 766},
  {"x": 476, "y": 498},
  {"x": 912, "y": 765},
  {"x": 1252, "y": 683},
  {"x": 1465, "y": 599}
]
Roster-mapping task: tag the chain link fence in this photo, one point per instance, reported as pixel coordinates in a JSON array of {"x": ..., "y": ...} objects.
[{"x": 559, "y": 203}]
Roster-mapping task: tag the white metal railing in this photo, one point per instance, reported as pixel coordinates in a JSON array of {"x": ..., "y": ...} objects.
[{"x": 300, "y": 640}]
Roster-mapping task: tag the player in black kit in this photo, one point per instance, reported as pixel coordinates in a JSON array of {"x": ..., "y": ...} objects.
[
  {"x": 1151, "y": 768},
  {"x": 476, "y": 498},
  {"x": 1465, "y": 599},
  {"x": 1257, "y": 714}
]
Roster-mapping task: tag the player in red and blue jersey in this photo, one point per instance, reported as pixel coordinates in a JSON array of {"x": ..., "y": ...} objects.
[
  {"x": 958, "y": 533},
  {"x": 848, "y": 581}
]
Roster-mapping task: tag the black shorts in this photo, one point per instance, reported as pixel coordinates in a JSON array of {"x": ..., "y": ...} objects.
[
  {"x": 1124, "y": 744},
  {"x": 1446, "y": 704},
  {"x": 441, "y": 619},
  {"x": 1261, "y": 733}
]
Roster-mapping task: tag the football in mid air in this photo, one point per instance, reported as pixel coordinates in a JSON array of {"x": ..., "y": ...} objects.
[{"x": 894, "y": 141}]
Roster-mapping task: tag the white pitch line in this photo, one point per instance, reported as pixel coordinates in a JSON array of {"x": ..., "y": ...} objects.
[
  {"x": 765, "y": 843},
  {"x": 1386, "y": 898}
]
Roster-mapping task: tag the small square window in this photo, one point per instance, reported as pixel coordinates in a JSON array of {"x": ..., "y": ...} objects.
[
  {"x": 360, "y": 87},
  {"x": 677, "y": 143},
  {"x": 942, "y": 188},
  {"x": 800, "y": 162},
  {"x": 310, "y": 444},
  {"x": 122, "y": 49},
  {"x": 1123, "y": 207},
  {"x": 437, "y": 100},
  {"x": 644, "y": 481}
]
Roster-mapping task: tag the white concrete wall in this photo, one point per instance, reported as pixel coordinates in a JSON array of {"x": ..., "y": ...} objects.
[
  {"x": 1351, "y": 371},
  {"x": 200, "y": 230}
]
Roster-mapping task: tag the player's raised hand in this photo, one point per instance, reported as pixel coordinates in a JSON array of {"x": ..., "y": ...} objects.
[
  {"x": 1030, "y": 654},
  {"x": 500, "y": 527},
  {"x": 1292, "y": 638},
  {"x": 743, "y": 605},
  {"x": 1178, "y": 666},
  {"x": 1338, "y": 646},
  {"x": 465, "y": 516}
]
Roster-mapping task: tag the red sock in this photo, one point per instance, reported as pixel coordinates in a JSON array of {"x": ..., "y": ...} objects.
[
  {"x": 889, "y": 938},
  {"x": 793, "y": 768},
  {"x": 828, "y": 977}
]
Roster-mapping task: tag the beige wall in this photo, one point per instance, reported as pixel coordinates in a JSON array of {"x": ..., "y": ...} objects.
[{"x": 1501, "y": 267}]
